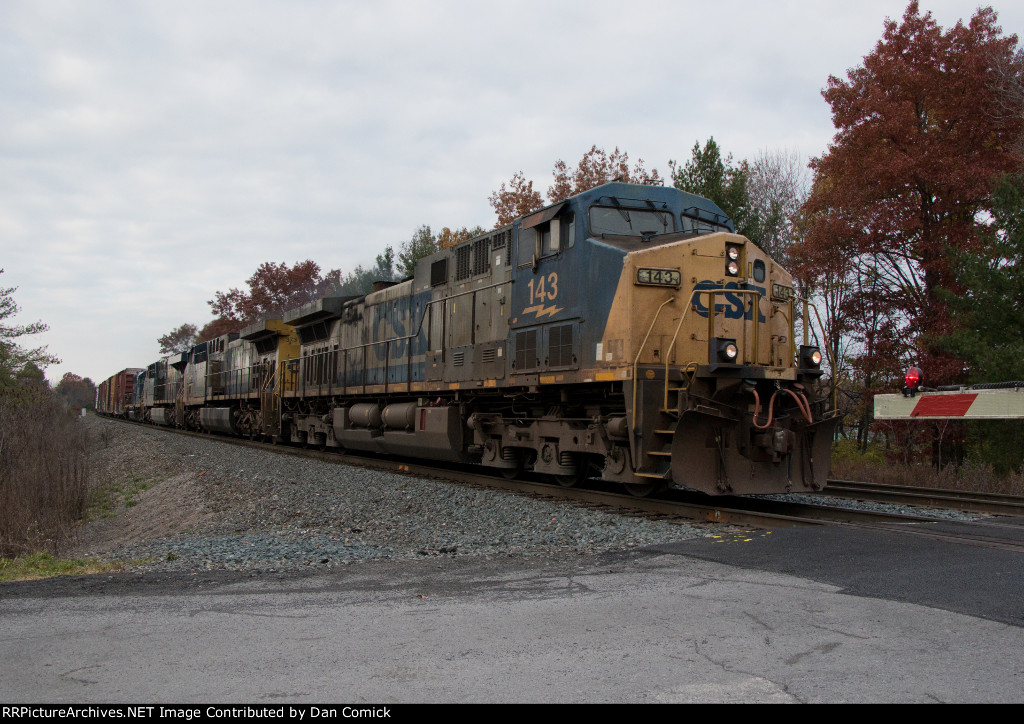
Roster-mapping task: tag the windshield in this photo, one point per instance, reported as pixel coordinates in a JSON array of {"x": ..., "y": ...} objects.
[
  {"x": 700, "y": 226},
  {"x": 622, "y": 221}
]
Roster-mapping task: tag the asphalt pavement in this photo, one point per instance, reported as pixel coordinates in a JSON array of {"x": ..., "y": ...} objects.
[{"x": 794, "y": 615}]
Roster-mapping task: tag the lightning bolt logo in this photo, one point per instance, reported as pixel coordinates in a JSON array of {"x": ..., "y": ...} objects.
[{"x": 541, "y": 311}]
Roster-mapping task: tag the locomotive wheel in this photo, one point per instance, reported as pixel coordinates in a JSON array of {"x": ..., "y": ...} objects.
[
  {"x": 514, "y": 472},
  {"x": 571, "y": 481},
  {"x": 642, "y": 490},
  {"x": 567, "y": 481}
]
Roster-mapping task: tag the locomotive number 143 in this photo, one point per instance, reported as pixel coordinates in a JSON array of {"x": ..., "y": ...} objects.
[
  {"x": 543, "y": 289},
  {"x": 659, "y": 277}
]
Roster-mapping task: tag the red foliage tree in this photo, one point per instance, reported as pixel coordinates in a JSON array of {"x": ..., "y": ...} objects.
[
  {"x": 595, "y": 168},
  {"x": 273, "y": 289},
  {"x": 78, "y": 391},
  {"x": 517, "y": 200},
  {"x": 921, "y": 138},
  {"x": 179, "y": 339},
  {"x": 219, "y": 327}
]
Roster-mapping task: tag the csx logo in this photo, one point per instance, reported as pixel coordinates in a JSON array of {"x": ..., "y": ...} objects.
[{"x": 735, "y": 306}]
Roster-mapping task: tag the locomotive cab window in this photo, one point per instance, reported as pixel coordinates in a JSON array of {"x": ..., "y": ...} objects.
[
  {"x": 623, "y": 221},
  {"x": 526, "y": 248},
  {"x": 556, "y": 235},
  {"x": 547, "y": 238},
  {"x": 698, "y": 221}
]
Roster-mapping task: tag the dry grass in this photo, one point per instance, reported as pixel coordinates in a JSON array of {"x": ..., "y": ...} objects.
[
  {"x": 43, "y": 473},
  {"x": 44, "y": 565},
  {"x": 873, "y": 468}
]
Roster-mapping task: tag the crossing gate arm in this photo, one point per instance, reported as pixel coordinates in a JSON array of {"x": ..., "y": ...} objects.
[{"x": 965, "y": 403}]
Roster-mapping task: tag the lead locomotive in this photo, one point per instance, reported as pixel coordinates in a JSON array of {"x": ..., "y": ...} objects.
[{"x": 625, "y": 333}]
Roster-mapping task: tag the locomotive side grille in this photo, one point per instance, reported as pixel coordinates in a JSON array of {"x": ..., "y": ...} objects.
[
  {"x": 560, "y": 346},
  {"x": 506, "y": 241},
  {"x": 501, "y": 240},
  {"x": 526, "y": 350},
  {"x": 458, "y": 359},
  {"x": 439, "y": 272},
  {"x": 481, "y": 260},
  {"x": 313, "y": 332},
  {"x": 462, "y": 269},
  {"x": 488, "y": 355}
]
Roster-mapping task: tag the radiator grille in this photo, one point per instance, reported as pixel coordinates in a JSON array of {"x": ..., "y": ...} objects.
[
  {"x": 526, "y": 350},
  {"x": 560, "y": 346}
]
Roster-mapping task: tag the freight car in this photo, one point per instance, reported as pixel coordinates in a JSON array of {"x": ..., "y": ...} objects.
[
  {"x": 115, "y": 396},
  {"x": 625, "y": 333}
]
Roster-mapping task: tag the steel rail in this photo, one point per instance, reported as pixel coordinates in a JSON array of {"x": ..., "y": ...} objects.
[{"x": 927, "y": 497}]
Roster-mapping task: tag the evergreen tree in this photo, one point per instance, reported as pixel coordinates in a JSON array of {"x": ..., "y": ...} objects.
[
  {"x": 17, "y": 363},
  {"x": 991, "y": 310},
  {"x": 707, "y": 174},
  {"x": 423, "y": 243}
]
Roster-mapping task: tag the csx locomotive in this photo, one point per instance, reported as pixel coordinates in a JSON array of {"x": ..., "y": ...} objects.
[{"x": 625, "y": 333}]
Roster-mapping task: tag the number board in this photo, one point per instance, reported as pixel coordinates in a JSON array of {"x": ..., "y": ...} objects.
[
  {"x": 659, "y": 277},
  {"x": 781, "y": 292}
]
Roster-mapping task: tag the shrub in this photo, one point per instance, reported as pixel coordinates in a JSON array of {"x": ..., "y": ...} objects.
[{"x": 43, "y": 472}]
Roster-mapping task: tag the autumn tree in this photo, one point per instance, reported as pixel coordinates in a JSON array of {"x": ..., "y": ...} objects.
[
  {"x": 828, "y": 274},
  {"x": 447, "y": 237},
  {"x": 1009, "y": 88},
  {"x": 273, "y": 289},
  {"x": 180, "y": 339},
  {"x": 17, "y": 362},
  {"x": 218, "y": 328},
  {"x": 595, "y": 168},
  {"x": 920, "y": 140},
  {"x": 79, "y": 392},
  {"x": 519, "y": 199}
]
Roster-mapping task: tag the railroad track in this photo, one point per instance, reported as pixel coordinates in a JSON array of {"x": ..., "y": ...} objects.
[
  {"x": 927, "y": 497},
  {"x": 685, "y": 506}
]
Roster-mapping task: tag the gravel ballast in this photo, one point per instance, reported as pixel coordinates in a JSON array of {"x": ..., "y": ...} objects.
[{"x": 204, "y": 504}]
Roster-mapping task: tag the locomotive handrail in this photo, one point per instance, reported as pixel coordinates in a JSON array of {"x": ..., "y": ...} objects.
[
  {"x": 640, "y": 351},
  {"x": 828, "y": 352},
  {"x": 423, "y": 316},
  {"x": 419, "y": 328},
  {"x": 712, "y": 313}
]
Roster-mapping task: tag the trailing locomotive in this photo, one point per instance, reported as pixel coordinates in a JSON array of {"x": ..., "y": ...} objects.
[{"x": 625, "y": 333}]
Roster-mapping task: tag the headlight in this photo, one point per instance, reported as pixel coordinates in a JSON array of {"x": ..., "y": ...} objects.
[
  {"x": 732, "y": 269},
  {"x": 732, "y": 252},
  {"x": 810, "y": 357},
  {"x": 724, "y": 349}
]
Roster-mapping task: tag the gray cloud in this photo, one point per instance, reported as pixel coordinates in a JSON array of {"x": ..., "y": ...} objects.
[{"x": 155, "y": 153}]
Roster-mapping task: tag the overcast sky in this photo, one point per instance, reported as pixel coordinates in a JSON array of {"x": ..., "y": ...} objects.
[{"x": 154, "y": 153}]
